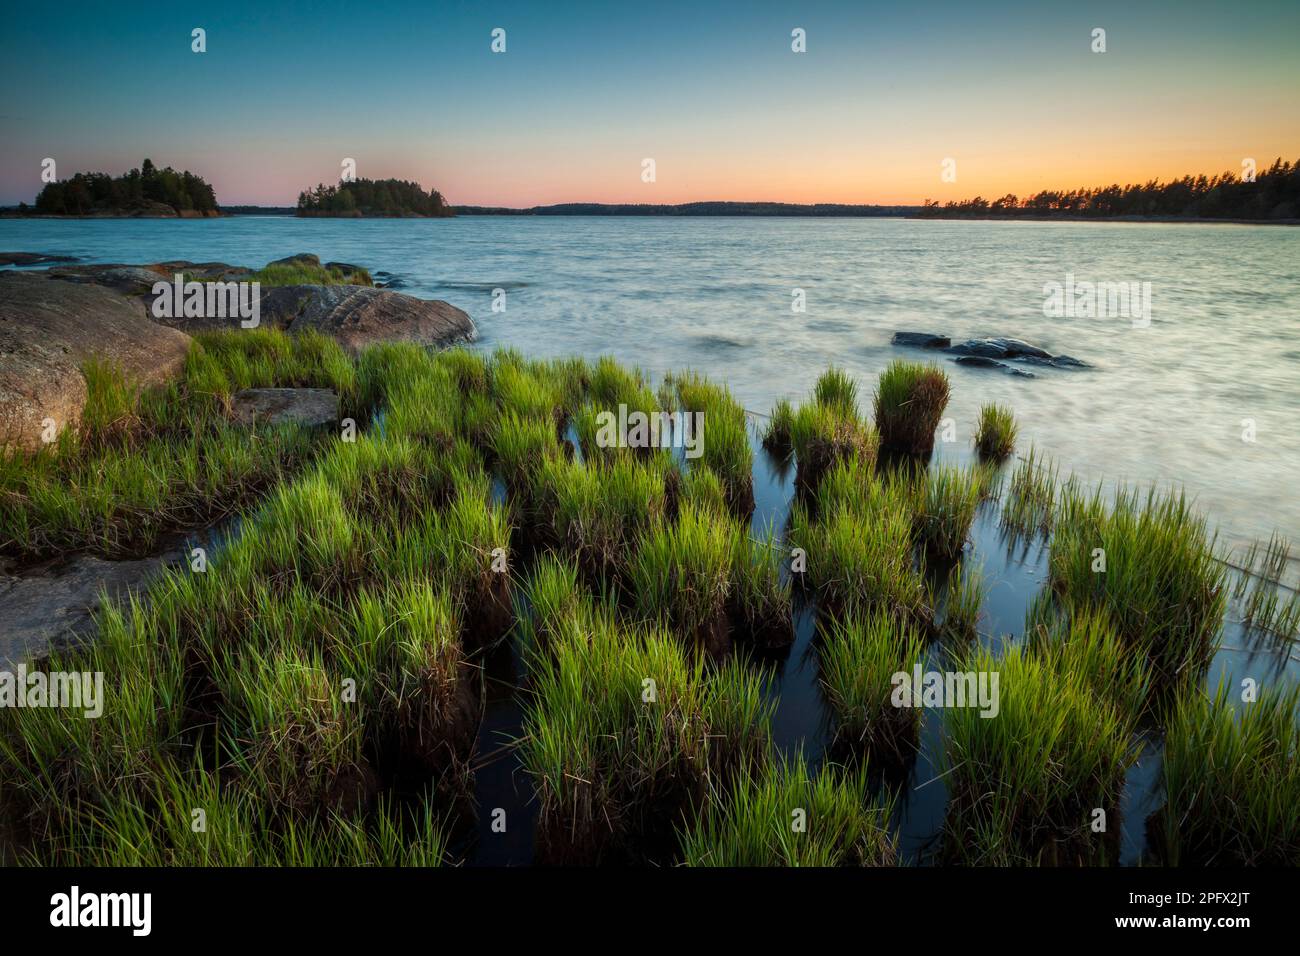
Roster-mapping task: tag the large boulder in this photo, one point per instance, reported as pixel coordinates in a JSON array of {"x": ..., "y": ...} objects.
[
  {"x": 48, "y": 328},
  {"x": 358, "y": 316}
]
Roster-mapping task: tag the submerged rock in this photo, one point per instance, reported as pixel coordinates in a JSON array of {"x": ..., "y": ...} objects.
[
  {"x": 48, "y": 328},
  {"x": 992, "y": 351},
  {"x": 921, "y": 340},
  {"x": 310, "y": 407},
  {"x": 52, "y": 611},
  {"x": 31, "y": 258},
  {"x": 982, "y": 361},
  {"x": 1000, "y": 348}
]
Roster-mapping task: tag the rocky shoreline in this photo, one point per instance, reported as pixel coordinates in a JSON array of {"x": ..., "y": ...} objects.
[{"x": 54, "y": 320}]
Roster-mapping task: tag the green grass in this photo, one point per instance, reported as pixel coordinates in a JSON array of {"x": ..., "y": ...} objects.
[
  {"x": 1163, "y": 585},
  {"x": 995, "y": 434},
  {"x": 760, "y": 599},
  {"x": 946, "y": 511},
  {"x": 1030, "y": 504},
  {"x": 303, "y": 273},
  {"x": 824, "y": 436},
  {"x": 628, "y": 725},
  {"x": 681, "y": 577},
  {"x": 1232, "y": 780},
  {"x": 836, "y": 390},
  {"x": 148, "y": 462},
  {"x": 1023, "y": 784},
  {"x": 962, "y": 602},
  {"x": 910, "y": 399},
  {"x": 778, "y": 435},
  {"x": 332, "y": 653},
  {"x": 859, "y": 656},
  {"x": 859, "y": 547},
  {"x": 782, "y": 817}
]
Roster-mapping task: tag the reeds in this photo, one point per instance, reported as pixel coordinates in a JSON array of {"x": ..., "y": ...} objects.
[
  {"x": 1024, "y": 783},
  {"x": 910, "y": 399},
  {"x": 995, "y": 434},
  {"x": 1150, "y": 565},
  {"x": 1232, "y": 780},
  {"x": 780, "y": 816},
  {"x": 949, "y": 497},
  {"x": 626, "y": 735},
  {"x": 681, "y": 577},
  {"x": 1030, "y": 504},
  {"x": 859, "y": 545},
  {"x": 859, "y": 658}
]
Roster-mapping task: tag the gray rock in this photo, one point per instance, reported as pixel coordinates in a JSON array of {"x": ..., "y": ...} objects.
[
  {"x": 347, "y": 269},
  {"x": 129, "y": 280},
  {"x": 48, "y": 328},
  {"x": 983, "y": 361},
  {"x": 53, "y": 611},
  {"x": 31, "y": 258},
  {"x": 310, "y": 407},
  {"x": 301, "y": 259},
  {"x": 1000, "y": 348},
  {"x": 358, "y": 316},
  {"x": 921, "y": 340}
]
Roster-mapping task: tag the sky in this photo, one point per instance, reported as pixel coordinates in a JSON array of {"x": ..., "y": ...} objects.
[{"x": 711, "y": 91}]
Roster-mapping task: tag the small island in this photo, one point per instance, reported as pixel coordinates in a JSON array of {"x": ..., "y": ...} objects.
[
  {"x": 144, "y": 192},
  {"x": 357, "y": 198}
]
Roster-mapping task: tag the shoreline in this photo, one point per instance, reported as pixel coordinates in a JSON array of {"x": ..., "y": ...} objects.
[{"x": 528, "y": 214}]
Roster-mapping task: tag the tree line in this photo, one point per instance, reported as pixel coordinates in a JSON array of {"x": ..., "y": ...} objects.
[
  {"x": 1274, "y": 194},
  {"x": 87, "y": 193},
  {"x": 372, "y": 197}
]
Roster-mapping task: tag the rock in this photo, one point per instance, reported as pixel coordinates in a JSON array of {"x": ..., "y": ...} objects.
[
  {"x": 983, "y": 361},
  {"x": 1069, "y": 361},
  {"x": 310, "y": 407},
  {"x": 358, "y": 316},
  {"x": 129, "y": 280},
  {"x": 49, "y": 328},
  {"x": 31, "y": 258},
  {"x": 53, "y": 611},
  {"x": 1000, "y": 348},
  {"x": 301, "y": 259},
  {"x": 347, "y": 269},
  {"x": 921, "y": 340}
]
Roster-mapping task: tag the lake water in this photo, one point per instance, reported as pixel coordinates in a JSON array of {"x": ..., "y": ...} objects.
[{"x": 1164, "y": 403}]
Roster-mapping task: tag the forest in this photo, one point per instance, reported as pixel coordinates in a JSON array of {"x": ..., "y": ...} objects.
[
  {"x": 90, "y": 193},
  {"x": 1273, "y": 195},
  {"x": 372, "y": 197}
]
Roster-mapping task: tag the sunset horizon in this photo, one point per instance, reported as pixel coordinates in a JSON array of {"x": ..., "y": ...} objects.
[{"x": 866, "y": 113}]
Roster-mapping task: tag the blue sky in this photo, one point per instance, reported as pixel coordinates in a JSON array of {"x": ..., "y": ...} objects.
[{"x": 711, "y": 91}]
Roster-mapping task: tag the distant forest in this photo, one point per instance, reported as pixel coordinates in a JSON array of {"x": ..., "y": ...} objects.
[
  {"x": 88, "y": 193},
  {"x": 1275, "y": 194},
  {"x": 693, "y": 209},
  {"x": 372, "y": 197}
]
